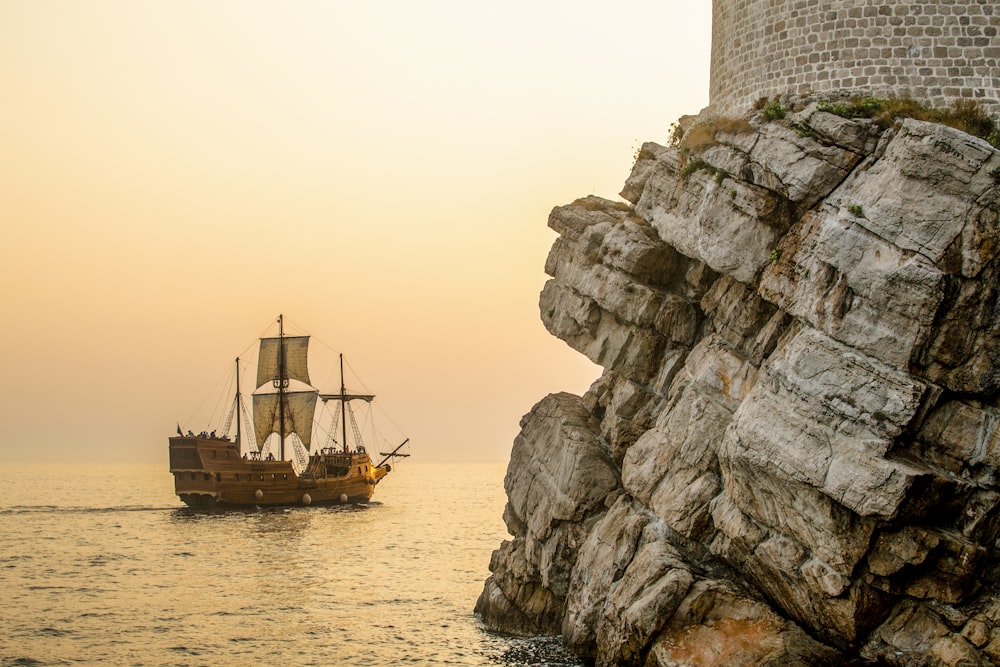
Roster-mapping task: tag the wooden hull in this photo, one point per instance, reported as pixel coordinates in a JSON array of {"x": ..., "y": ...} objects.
[{"x": 211, "y": 473}]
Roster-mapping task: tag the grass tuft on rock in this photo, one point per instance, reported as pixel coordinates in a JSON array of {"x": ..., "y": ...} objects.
[{"x": 965, "y": 114}]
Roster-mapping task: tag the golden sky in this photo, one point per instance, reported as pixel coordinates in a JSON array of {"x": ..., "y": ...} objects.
[{"x": 176, "y": 173}]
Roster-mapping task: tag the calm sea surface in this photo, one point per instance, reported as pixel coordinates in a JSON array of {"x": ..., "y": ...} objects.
[{"x": 103, "y": 565}]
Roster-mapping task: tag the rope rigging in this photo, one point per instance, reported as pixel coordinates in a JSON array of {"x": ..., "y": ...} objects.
[
  {"x": 331, "y": 439},
  {"x": 354, "y": 429},
  {"x": 248, "y": 428},
  {"x": 229, "y": 417}
]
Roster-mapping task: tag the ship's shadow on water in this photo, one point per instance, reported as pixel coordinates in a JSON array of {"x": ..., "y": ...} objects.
[{"x": 194, "y": 513}]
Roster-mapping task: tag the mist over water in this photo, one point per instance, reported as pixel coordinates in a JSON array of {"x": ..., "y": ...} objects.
[{"x": 102, "y": 564}]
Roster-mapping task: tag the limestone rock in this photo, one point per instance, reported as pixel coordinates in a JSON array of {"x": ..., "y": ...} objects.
[
  {"x": 857, "y": 136},
  {"x": 602, "y": 559},
  {"x": 792, "y": 455},
  {"x": 561, "y": 475},
  {"x": 806, "y": 171},
  {"x": 716, "y": 626},
  {"x": 690, "y": 210}
]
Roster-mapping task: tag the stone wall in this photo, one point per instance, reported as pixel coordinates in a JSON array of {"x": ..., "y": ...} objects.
[{"x": 933, "y": 51}]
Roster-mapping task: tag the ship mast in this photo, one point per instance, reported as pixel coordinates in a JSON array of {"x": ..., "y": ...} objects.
[
  {"x": 239, "y": 409},
  {"x": 281, "y": 383},
  {"x": 280, "y": 407},
  {"x": 343, "y": 405},
  {"x": 344, "y": 397}
]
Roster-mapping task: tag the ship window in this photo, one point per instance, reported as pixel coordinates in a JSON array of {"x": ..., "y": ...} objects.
[
  {"x": 192, "y": 476},
  {"x": 284, "y": 476},
  {"x": 273, "y": 476},
  {"x": 207, "y": 477},
  {"x": 262, "y": 478},
  {"x": 237, "y": 477}
]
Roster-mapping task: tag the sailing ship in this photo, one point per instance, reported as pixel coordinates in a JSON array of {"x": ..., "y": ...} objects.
[{"x": 215, "y": 471}]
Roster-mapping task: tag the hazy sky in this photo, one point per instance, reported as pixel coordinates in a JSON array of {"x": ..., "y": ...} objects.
[{"x": 175, "y": 174}]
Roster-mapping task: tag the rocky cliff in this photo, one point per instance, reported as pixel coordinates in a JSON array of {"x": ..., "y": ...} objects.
[{"x": 791, "y": 455}]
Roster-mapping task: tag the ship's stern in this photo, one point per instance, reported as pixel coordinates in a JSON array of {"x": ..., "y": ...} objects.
[{"x": 194, "y": 484}]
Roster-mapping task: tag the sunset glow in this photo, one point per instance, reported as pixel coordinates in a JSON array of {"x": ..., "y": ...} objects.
[{"x": 176, "y": 174}]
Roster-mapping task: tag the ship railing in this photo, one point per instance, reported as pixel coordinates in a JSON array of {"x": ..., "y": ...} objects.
[
  {"x": 255, "y": 460},
  {"x": 337, "y": 459}
]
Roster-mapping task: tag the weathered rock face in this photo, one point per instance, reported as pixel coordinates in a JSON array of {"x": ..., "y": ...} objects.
[{"x": 791, "y": 456}]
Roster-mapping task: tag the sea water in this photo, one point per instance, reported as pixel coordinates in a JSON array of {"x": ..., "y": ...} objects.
[{"x": 104, "y": 565}]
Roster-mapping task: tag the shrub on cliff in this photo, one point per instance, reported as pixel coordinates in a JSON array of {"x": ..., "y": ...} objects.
[
  {"x": 705, "y": 135},
  {"x": 965, "y": 114}
]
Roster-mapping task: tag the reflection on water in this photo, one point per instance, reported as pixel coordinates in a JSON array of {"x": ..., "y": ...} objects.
[{"x": 106, "y": 565}]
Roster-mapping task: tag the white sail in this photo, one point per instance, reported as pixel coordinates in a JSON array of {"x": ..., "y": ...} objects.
[
  {"x": 299, "y": 409},
  {"x": 296, "y": 353}
]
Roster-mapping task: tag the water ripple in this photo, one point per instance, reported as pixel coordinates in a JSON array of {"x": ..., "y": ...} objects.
[{"x": 142, "y": 581}]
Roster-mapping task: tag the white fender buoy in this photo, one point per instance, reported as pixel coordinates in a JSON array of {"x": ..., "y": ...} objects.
[
  {"x": 306, "y": 499},
  {"x": 258, "y": 494},
  {"x": 343, "y": 497}
]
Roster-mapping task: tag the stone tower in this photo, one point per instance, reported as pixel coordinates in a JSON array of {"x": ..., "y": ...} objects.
[{"x": 935, "y": 51}]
